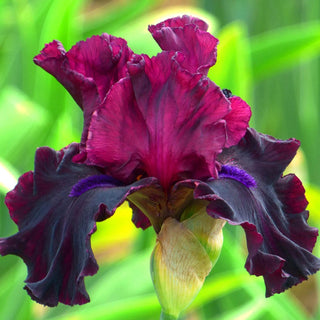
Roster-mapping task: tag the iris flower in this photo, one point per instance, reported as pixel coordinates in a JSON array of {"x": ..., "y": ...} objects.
[{"x": 159, "y": 134}]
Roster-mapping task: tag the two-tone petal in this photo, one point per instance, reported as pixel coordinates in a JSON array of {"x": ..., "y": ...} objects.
[
  {"x": 270, "y": 207},
  {"x": 56, "y": 209}
]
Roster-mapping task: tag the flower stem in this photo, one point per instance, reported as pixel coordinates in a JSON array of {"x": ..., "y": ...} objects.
[{"x": 165, "y": 316}]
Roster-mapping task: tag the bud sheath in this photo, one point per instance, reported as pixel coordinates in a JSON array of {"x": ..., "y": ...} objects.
[{"x": 184, "y": 255}]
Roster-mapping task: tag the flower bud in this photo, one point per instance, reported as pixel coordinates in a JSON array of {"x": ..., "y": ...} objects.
[{"x": 184, "y": 255}]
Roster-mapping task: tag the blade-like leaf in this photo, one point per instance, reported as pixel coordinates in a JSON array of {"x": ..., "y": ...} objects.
[
  {"x": 278, "y": 49},
  {"x": 112, "y": 16},
  {"x": 233, "y": 70},
  {"x": 8, "y": 176},
  {"x": 22, "y": 127},
  {"x": 15, "y": 304}
]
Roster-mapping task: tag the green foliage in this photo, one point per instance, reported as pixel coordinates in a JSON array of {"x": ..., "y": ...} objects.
[
  {"x": 276, "y": 50},
  {"x": 276, "y": 71}
]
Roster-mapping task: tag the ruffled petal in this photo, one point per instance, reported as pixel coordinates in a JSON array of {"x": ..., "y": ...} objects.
[
  {"x": 88, "y": 69},
  {"x": 165, "y": 122},
  {"x": 55, "y": 228},
  {"x": 272, "y": 212},
  {"x": 187, "y": 35},
  {"x": 262, "y": 156},
  {"x": 237, "y": 120}
]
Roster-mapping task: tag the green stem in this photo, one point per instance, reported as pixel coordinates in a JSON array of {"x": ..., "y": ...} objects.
[{"x": 165, "y": 316}]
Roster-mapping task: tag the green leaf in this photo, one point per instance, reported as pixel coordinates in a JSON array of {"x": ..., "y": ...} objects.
[
  {"x": 65, "y": 132},
  {"x": 115, "y": 15},
  {"x": 8, "y": 176},
  {"x": 117, "y": 292},
  {"x": 313, "y": 196},
  {"x": 233, "y": 69},
  {"x": 142, "y": 308},
  {"x": 278, "y": 49},
  {"x": 61, "y": 23},
  {"x": 15, "y": 303},
  {"x": 22, "y": 127},
  {"x": 26, "y": 30}
]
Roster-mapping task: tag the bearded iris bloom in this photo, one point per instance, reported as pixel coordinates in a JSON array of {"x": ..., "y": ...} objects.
[{"x": 160, "y": 135}]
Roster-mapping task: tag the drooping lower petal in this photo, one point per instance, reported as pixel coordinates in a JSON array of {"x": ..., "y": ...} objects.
[
  {"x": 55, "y": 228},
  {"x": 272, "y": 212},
  {"x": 187, "y": 35}
]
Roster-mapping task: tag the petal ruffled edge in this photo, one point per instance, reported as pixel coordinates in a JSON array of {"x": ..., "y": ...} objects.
[
  {"x": 272, "y": 213},
  {"x": 87, "y": 70},
  {"x": 55, "y": 228},
  {"x": 237, "y": 120},
  {"x": 187, "y": 35}
]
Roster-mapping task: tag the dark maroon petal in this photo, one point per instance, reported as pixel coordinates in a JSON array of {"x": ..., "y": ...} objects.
[
  {"x": 237, "y": 120},
  {"x": 261, "y": 155},
  {"x": 283, "y": 254},
  {"x": 139, "y": 219},
  {"x": 55, "y": 229},
  {"x": 187, "y": 35},
  {"x": 166, "y": 122},
  {"x": 272, "y": 213},
  {"x": 88, "y": 69}
]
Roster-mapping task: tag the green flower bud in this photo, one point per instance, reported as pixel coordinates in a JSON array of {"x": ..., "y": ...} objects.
[{"x": 184, "y": 255}]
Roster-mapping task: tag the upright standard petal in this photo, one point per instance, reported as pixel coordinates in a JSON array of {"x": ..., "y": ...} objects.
[
  {"x": 163, "y": 121},
  {"x": 187, "y": 35},
  {"x": 271, "y": 211},
  {"x": 88, "y": 69},
  {"x": 55, "y": 228}
]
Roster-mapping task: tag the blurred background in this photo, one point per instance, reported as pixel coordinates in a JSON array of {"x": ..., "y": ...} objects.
[{"x": 268, "y": 54}]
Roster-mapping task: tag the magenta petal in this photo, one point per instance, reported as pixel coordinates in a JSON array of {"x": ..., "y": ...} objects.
[
  {"x": 54, "y": 60},
  {"x": 237, "y": 120},
  {"x": 102, "y": 58},
  {"x": 165, "y": 122},
  {"x": 119, "y": 128},
  {"x": 183, "y": 114},
  {"x": 88, "y": 69},
  {"x": 177, "y": 22},
  {"x": 187, "y": 35},
  {"x": 55, "y": 229}
]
